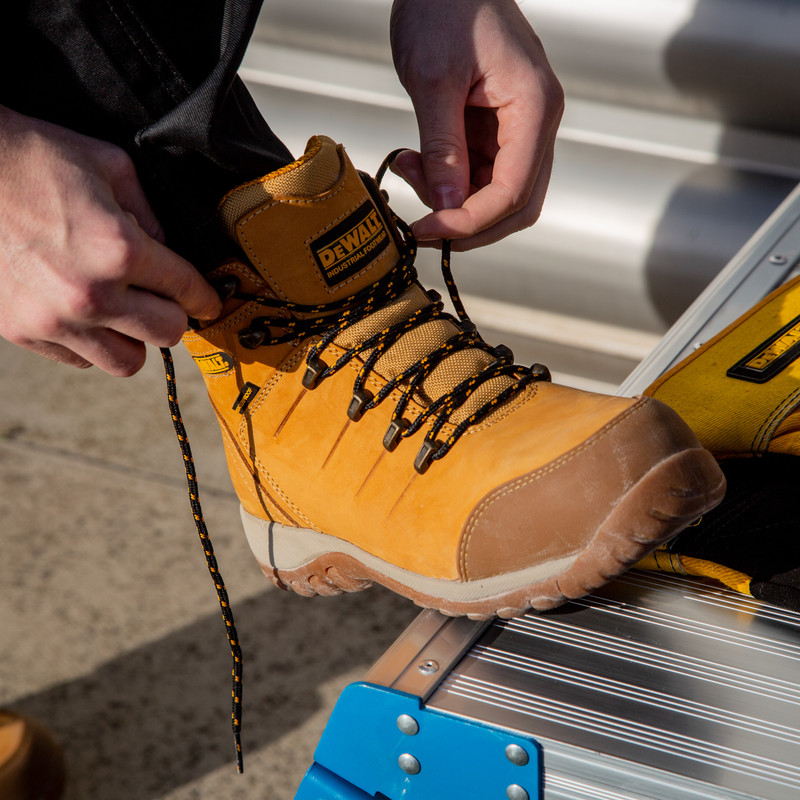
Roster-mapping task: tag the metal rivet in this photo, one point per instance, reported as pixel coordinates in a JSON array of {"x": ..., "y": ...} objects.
[
  {"x": 408, "y": 725},
  {"x": 517, "y": 755},
  {"x": 428, "y": 667},
  {"x": 393, "y": 433},
  {"x": 778, "y": 259},
  {"x": 314, "y": 368},
  {"x": 426, "y": 451},
  {"x": 516, "y": 792},
  {"x": 409, "y": 764}
]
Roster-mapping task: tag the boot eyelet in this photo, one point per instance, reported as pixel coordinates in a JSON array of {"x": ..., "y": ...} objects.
[
  {"x": 226, "y": 286},
  {"x": 434, "y": 296},
  {"x": 540, "y": 372},
  {"x": 425, "y": 454},
  {"x": 503, "y": 353},
  {"x": 394, "y": 433},
  {"x": 314, "y": 368},
  {"x": 253, "y": 335},
  {"x": 356, "y": 408}
]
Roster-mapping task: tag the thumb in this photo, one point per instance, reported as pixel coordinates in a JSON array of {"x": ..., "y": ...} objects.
[{"x": 443, "y": 151}]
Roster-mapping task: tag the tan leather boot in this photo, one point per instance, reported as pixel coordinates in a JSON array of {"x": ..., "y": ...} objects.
[
  {"x": 31, "y": 764},
  {"x": 372, "y": 437}
]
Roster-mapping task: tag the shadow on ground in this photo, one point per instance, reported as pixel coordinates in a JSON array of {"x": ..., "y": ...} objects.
[{"x": 157, "y": 717}]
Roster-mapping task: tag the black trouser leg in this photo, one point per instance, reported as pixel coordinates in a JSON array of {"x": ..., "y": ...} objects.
[{"x": 157, "y": 77}]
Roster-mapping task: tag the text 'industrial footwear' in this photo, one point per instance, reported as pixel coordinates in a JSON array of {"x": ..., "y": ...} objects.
[
  {"x": 372, "y": 437},
  {"x": 740, "y": 394}
]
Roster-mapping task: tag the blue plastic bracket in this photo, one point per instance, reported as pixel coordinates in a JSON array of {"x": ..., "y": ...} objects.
[{"x": 380, "y": 743}]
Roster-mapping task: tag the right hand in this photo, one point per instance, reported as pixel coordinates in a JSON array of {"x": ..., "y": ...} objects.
[
  {"x": 84, "y": 275},
  {"x": 488, "y": 106}
]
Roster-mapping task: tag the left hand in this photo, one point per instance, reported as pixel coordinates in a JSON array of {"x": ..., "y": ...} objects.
[{"x": 488, "y": 106}]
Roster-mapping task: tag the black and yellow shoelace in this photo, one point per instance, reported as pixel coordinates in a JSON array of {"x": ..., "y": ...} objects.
[{"x": 295, "y": 322}]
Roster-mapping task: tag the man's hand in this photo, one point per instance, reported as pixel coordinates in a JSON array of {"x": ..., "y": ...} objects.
[
  {"x": 488, "y": 106},
  {"x": 84, "y": 276}
]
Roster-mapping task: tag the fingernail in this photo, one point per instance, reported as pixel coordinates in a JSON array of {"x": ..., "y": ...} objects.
[
  {"x": 447, "y": 197},
  {"x": 423, "y": 235}
]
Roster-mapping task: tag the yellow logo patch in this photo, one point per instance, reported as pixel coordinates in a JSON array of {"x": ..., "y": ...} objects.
[
  {"x": 351, "y": 245},
  {"x": 771, "y": 356},
  {"x": 214, "y": 363}
]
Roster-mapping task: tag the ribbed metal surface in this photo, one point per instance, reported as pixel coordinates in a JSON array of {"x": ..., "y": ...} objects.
[
  {"x": 734, "y": 60},
  {"x": 656, "y": 185},
  {"x": 656, "y": 674}
]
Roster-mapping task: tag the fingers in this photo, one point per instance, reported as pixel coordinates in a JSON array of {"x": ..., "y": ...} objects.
[
  {"x": 511, "y": 201},
  {"x": 164, "y": 289},
  {"x": 57, "y": 353},
  {"x": 408, "y": 165},
  {"x": 85, "y": 276},
  {"x": 443, "y": 149},
  {"x": 164, "y": 273},
  {"x": 488, "y": 106},
  {"x": 114, "y": 353},
  {"x": 114, "y": 340},
  {"x": 515, "y": 222}
]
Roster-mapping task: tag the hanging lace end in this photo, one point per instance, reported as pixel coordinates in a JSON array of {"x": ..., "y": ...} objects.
[{"x": 211, "y": 561}]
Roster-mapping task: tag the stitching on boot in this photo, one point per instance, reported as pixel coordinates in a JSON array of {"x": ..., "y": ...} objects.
[
  {"x": 547, "y": 469},
  {"x": 262, "y": 471},
  {"x": 262, "y": 499},
  {"x": 278, "y": 375},
  {"x": 240, "y": 226},
  {"x": 765, "y": 433},
  {"x": 242, "y": 465}
]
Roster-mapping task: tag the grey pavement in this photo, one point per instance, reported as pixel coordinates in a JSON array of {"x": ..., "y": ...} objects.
[{"x": 110, "y": 632}]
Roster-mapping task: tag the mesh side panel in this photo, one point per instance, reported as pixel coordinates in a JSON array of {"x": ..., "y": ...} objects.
[
  {"x": 400, "y": 309},
  {"x": 309, "y": 176}
]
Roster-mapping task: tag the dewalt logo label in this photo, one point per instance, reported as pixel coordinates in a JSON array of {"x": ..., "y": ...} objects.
[
  {"x": 771, "y": 356},
  {"x": 214, "y": 364},
  {"x": 351, "y": 245}
]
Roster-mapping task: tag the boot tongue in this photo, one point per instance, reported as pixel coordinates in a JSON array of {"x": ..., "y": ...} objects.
[{"x": 311, "y": 229}]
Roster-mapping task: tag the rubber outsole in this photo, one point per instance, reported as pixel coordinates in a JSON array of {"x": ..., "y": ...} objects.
[{"x": 649, "y": 514}]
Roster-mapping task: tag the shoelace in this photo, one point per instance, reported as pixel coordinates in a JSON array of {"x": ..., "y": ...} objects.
[
  {"x": 211, "y": 561},
  {"x": 329, "y": 320}
]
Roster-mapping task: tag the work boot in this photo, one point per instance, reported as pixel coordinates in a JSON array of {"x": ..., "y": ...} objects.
[
  {"x": 740, "y": 393},
  {"x": 31, "y": 764},
  {"x": 372, "y": 437}
]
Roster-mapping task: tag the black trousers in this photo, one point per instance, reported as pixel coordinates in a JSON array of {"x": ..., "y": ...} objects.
[{"x": 158, "y": 78}]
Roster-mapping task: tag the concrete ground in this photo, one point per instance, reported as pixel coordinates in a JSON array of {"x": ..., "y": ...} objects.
[{"x": 110, "y": 632}]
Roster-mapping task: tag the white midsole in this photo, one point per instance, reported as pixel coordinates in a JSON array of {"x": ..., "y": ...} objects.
[{"x": 287, "y": 548}]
